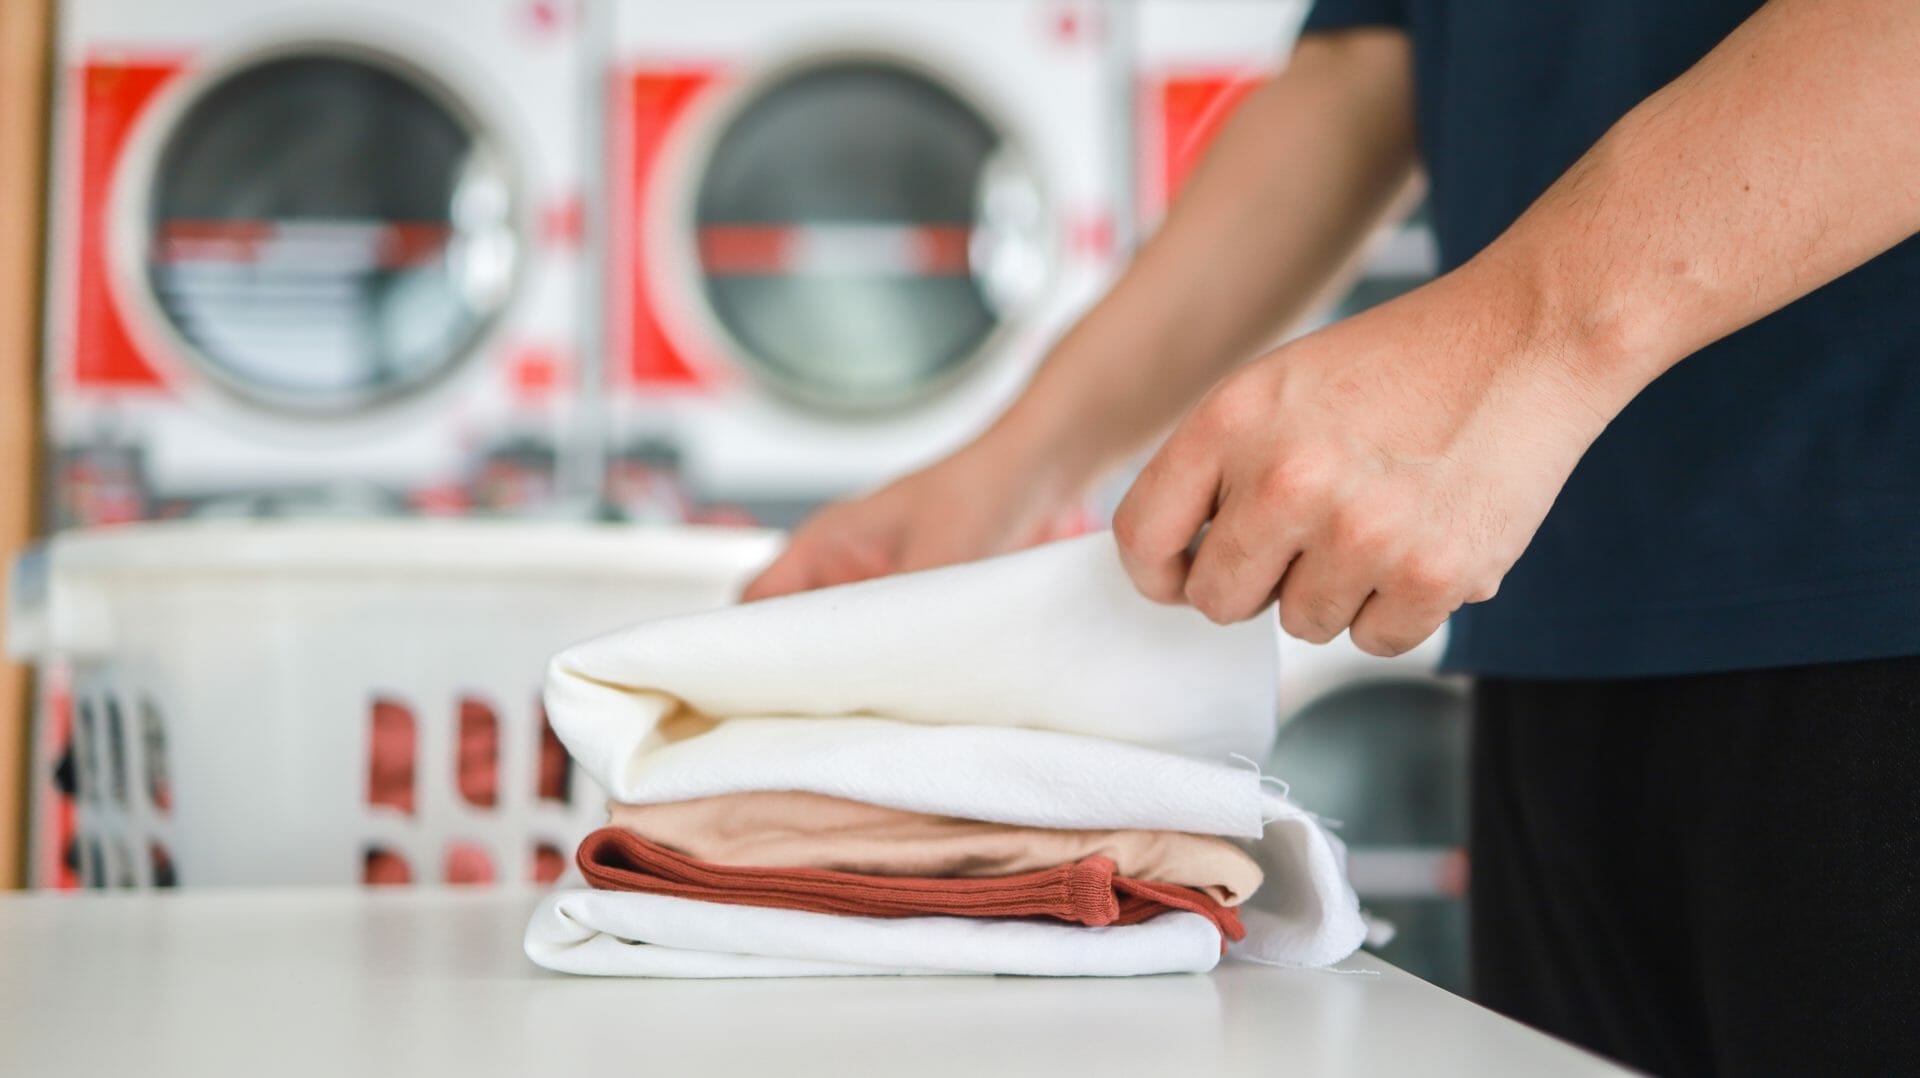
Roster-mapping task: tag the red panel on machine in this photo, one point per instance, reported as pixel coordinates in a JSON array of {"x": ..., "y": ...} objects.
[
  {"x": 656, "y": 101},
  {"x": 113, "y": 97}
]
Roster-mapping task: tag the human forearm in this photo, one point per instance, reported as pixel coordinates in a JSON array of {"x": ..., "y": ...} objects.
[
  {"x": 1297, "y": 179},
  {"x": 1382, "y": 472},
  {"x": 1782, "y": 160}
]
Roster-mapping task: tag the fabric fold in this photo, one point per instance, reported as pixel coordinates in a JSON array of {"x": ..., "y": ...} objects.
[
  {"x": 1032, "y": 778},
  {"x": 1053, "y": 638},
  {"x": 1035, "y": 690},
  {"x": 626, "y": 934},
  {"x": 786, "y": 829},
  {"x": 1085, "y": 892}
]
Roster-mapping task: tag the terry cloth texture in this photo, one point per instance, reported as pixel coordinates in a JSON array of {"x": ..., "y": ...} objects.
[
  {"x": 779, "y": 829},
  {"x": 1084, "y": 892},
  {"x": 1038, "y": 689}
]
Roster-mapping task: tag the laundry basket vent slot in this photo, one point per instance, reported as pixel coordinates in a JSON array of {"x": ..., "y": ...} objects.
[
  {"x": 390, "y": 755},
  {"x": 477, "y": 754}
]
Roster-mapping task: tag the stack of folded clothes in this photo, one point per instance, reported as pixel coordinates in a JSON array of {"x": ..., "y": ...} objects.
[{"x": 1015, "y": 766}]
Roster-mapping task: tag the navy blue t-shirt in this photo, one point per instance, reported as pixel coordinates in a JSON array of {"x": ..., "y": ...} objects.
[{"x": 1756, "y": 506}]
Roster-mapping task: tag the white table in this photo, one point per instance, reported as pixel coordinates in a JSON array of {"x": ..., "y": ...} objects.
[{"x": 426, "y": 982}]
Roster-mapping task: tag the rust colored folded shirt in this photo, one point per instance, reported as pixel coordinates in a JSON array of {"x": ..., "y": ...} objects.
[
  {"x": 1084, "y": 892},
  {"x": 787, "y": 829}
]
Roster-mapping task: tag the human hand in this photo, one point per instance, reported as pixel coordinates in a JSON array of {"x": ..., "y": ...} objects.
[
  {"x": 982, "y": 501},
  {"x": 1374, "y": 475}
]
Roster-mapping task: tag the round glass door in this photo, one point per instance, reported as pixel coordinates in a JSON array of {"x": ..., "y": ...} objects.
[
  {"x": 326, "y": 233},
  {"x": 862, "y": 232}
]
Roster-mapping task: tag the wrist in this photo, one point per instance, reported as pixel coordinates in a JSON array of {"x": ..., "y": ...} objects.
[
  {"x": 1051, "y": 449},
  {"x": 1566, "y": 325}
]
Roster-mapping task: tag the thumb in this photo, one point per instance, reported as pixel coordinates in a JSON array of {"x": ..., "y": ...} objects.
[{"x": 790, "y": 572}]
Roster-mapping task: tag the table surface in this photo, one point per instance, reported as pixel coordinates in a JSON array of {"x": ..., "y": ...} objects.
[{"x": 294, "y": 982}]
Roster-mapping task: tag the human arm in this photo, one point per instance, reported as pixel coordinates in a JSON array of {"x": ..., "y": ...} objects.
[
  {"x": 1298, "y": 177},
  {"x": 1384, "y": 471}
]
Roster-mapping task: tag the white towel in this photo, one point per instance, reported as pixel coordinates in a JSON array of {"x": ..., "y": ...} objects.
[
  {"x": 612, "y": 933},
  {"x": 1054, "y": 638},
  {"x": 1035, "y": 689}
]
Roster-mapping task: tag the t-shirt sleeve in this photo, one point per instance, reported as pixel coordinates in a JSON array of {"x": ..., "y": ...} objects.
[{"x": 1346, "y": 14}]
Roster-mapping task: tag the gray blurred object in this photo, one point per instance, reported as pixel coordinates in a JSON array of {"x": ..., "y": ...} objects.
[
  {"x": 101, "y": 483},
  {"x": 298, "y": 276},
  {"x": 1388, "y": 761},
  {"x": 842, "y": 232},
  {"x": 863, "y": 230}
]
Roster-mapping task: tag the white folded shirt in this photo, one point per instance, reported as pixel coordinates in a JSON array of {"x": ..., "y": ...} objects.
[
  {"x": 1037, "y": 689},
  {"x": 613, "y": 933}
]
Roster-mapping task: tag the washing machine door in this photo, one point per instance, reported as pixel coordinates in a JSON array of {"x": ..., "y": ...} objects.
[
  {"x": 863, "y": 232},
  {"x": 326, "y": 231}
]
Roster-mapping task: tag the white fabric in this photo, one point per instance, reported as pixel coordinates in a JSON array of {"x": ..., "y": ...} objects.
[
  {"x": 614, "y": 933},
  {"x": 1054, "y": 638},
  {"x": 1305, "y": 913},
  {"x": 1037, "y": 689},
  {"x": 1035, "y": 778}
]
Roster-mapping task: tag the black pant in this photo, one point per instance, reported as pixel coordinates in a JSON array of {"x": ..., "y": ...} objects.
[{"x": 1713, "y": 874}]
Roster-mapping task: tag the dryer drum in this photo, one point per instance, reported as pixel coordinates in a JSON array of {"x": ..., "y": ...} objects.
[
  {"x": 324, "y": 232},
  {"x": 862, "y": 232}
]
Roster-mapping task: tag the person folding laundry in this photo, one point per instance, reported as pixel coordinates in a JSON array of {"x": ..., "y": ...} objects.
[{"x": 1034, "y": 691}]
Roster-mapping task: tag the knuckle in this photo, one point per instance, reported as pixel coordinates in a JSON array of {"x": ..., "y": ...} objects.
[
  {"x": 1162, "y": 587},
  {"x": 1302, "y": 478},
  {"x": 1221, "y": 413},
  {"x": 1226, "y": 550},
  {"x": 1159, "y": 593},
  {"x": 1218, "y": 615},
  {"x": 1165, "y": 595},
  {"x": 1428, "y": 579},
  {"x": 1377, "y": 645},
  {"x": 1324, "y": 614},
  {"x": 1359, "y": 532},
  {"x": 1385, "y": 643},
  {"x": 1397, "y": 634},
  {"x": 1299, "y": 624},
  {"x": 1207, "y": 603}
]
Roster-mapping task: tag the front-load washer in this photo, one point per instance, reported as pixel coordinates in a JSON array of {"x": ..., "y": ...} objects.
[
  {"x": 842, "y": 231},
  {"x": 311, "y": 254}
]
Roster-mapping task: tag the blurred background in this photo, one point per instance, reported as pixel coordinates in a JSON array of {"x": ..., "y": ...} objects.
[{"x": 314, "y": 274}]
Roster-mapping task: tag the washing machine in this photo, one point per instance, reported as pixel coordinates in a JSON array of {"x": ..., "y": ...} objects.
[
  {"x": 312, "y": 256},
  {"x": 842, "y": 231}
]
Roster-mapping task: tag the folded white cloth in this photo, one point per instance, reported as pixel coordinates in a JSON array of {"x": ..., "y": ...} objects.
[
  {"x": 1035, "y": 778},
  {"x": 1054, "y": 638},
  {"x": 1036, "y": 689},
  {"x": 612, "y": 933},
  {"x": 1303, "y": 915}
]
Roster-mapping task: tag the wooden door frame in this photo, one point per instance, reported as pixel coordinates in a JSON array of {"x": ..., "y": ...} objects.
[{"x": 26, "y": 43}]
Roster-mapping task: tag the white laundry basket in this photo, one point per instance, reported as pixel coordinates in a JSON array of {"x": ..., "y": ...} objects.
[{"x": 226, "y": 677}]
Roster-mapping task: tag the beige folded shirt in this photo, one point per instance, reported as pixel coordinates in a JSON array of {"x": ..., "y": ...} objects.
[{"x": 776, "y": 829}]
